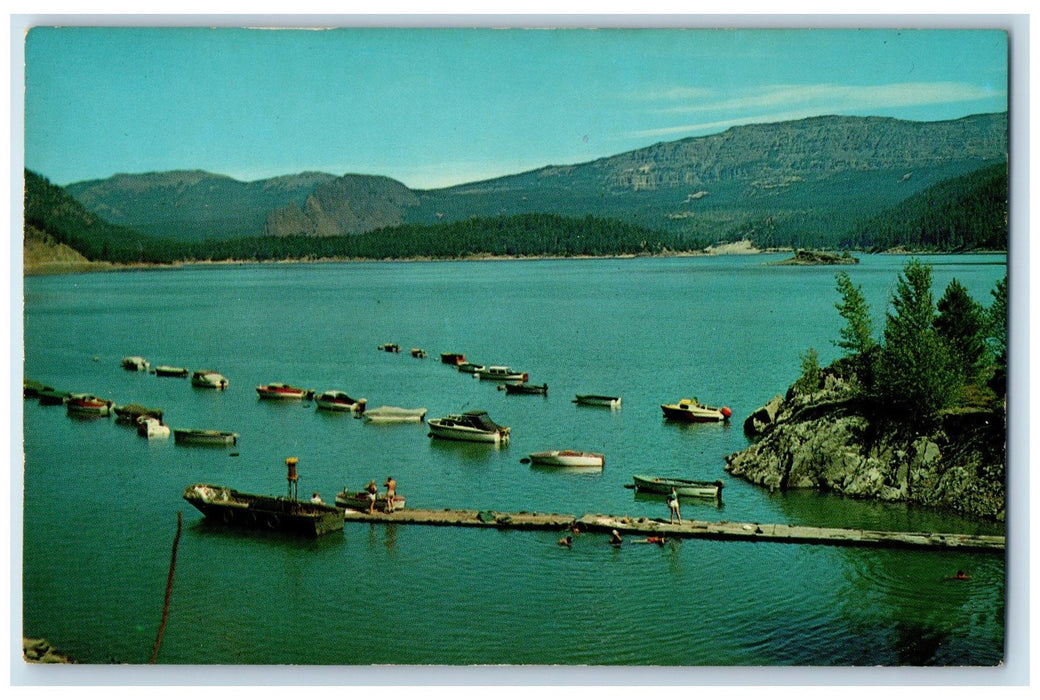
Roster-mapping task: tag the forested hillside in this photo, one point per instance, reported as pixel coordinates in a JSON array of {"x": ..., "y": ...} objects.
[
  {"x": 53, "y": 215},
  {"x": 522, "y": 235},
  {"x": 964, "y": 213}
]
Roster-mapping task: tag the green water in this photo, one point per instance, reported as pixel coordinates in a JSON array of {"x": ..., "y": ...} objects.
[{"x": 101, "y": 503}]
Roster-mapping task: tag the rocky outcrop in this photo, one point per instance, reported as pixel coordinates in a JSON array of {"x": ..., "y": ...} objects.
[
  {"x": 818, "y": 257},
  {"x": 832, "y": 441},
  {"x": 349, "y": 205},
  {"x": 40, "y": 651}
]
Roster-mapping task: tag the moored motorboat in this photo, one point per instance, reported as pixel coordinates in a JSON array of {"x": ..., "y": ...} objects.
[
  {"x": 359, "y": 500},
  {"x": 418, "y": 353},
  {"x": 682, "y": 487},
  {"x": 470, "y": 367},
  {"x": 390, "y": 347},
  {"x": 394, "y": 414},
  {"x": 524, "y": 388},
  {"x": 335, "y": 400},
  {"x": 196, "y": 436},
  {"x": 453, "y": 358},
  {"x": 691, "y": 411},
  {"x": 152, "y": 428},
  {"x": 275, "y": 513},
  {"x": 132, "y": 411},
  {"x": 88, "y": 405},
  {"x": 135, "y": 364},
  {"x": 568, "y": 458},
  {"x": 167, "y": 371},
  {"x": 208, "y": 379},
  {"x": 501, "y": 373},
  {"x": 472, "y": 426},
  {"x": 597, "y": 400},
  {"x": 283, "y": 392}
]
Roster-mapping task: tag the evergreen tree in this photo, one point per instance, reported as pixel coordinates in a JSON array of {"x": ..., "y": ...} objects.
[
  {"x": 857, "y": 337},
  {"x": 962, "y": 325},
  {"x": 915, "y": 374},
  {"x": 997, "y": 317},
  {"x": 809, "y": 382}
]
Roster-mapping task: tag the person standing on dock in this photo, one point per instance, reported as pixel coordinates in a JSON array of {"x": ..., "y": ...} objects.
[
  {"x": 391, "y": 492},
  {"x": 673, "y": 507},
  {"x": 372, "y": 489}
]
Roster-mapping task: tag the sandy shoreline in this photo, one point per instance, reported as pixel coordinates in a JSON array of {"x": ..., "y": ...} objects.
[{"x": 61, "y": 267}]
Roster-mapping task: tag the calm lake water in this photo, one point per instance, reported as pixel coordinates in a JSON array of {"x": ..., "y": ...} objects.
[{"x": 101, "y": 503}]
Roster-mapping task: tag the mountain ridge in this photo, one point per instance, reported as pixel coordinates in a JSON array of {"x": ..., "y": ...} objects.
[{"x": 786, "y": 183}]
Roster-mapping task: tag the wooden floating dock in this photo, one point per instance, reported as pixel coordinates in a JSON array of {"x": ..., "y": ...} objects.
[{"x": 687, "y": 529}]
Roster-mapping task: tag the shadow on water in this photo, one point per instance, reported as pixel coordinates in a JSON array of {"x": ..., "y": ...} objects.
[{"x": 917, "y": 645}]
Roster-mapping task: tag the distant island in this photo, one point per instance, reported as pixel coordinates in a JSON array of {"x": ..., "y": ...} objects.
[{"x": 819, "y": 257}]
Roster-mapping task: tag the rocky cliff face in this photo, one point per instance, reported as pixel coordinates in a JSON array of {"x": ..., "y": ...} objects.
[
  {"x": 348, "y": 205},
  {"x": 831, "y": 441}
]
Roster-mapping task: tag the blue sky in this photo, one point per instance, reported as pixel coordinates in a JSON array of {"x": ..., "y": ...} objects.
[{"x": 435, "y": 107}]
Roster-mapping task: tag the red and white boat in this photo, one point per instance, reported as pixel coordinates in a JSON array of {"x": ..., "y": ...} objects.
[
  {"x": 88, "y": 405},
  {"x": 568, "y": 458},
  {"x": 691, "y": 411},
  {"x": 284, "y": 392}
]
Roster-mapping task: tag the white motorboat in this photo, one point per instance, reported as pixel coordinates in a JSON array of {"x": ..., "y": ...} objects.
[
  {"x": 501, "y": 373},
  {"x": 472, "y": 426},
  {"x": 208, "y": 379},
  {"x": 335, "y": 400},
  {"x": 568, "y": 458}
]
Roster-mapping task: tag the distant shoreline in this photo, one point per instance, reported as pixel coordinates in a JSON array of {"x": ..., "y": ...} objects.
[{"x": 739, "y": 248}]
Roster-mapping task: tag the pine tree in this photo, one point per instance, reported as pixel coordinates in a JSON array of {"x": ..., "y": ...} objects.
[
  {"x": 915, "y": 373},
  {"x": 809, "y": 382},
  {"x": 962, "y": 325},
  {"x": 857, "y": 337}
]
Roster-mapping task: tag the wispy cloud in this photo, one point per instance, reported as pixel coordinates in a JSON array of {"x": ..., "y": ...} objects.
[
  {"x": 840, "y": 97},
  {"x": 784, "y": 102}
]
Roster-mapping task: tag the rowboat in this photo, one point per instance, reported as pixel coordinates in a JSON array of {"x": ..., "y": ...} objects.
[
  {"x": 31, "y": 389},
  {"x": 208, "y": 379},
  {"x": 471, "y": 426},
  {"x": 524, "y": 388},
  {"x": 568, "y": 458},
  {"x": 152, "y": 428},
  {"x": 453, "y": 358},
  {"x": 335, "y": 400},
  {"x": 597, "y": 400},
  {"x": 501, "y": 373},
  {"x": 52, "y": 397},
  {"x": 195, "y": 436},
  {"x": 682, "y": 487},
  {"x": 283, "y": 392},
  {"x": 135, "y": 364},
  {"x": 88, "y": 405},
  {"x": 167, "y": 371},
  {"x": 359, "y": 500},
  {"x": 131, "y": 412},
  {"x": 470, "y": 367},
  {"x": 395, "y": 414},
  {"x": 275, "y": 513},
  {"x": 691, "y": 411}
]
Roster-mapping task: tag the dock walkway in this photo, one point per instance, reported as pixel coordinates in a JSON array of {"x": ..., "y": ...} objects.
[{"x": 688, "y": 529}]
